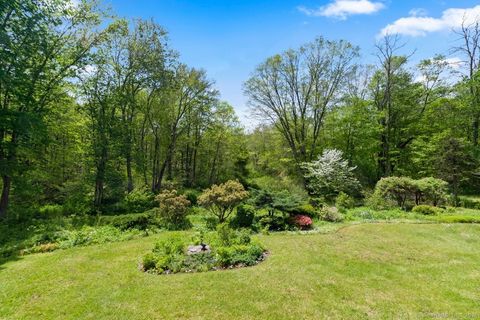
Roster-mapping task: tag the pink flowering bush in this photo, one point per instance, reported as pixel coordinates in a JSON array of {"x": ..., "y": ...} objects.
[{"x": 303, "y": 222}]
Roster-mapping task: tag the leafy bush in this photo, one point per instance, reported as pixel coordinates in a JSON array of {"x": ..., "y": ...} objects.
[
  {"x": 399, "y": 189},
  {"x": 468, "y": 202},
  {"x": 222, "y": 199},
  {"x": 331, "y": 214},
  {"x": 425, "y": 210},
  {"x": 274, "y": 222},
  {"x": 431, "y": 190},
  {"x": 318, "y": 202},
  {"x": 139, "y": 200},
  {"x": 244, "y": 217},
  {"x": 302, "y": 222},
  {"x": 330, "y": 175},
  {"x": 283, "y": 200},
  {"x": 344, "y": 201},
  {"x": 192, "y": 196},
  {"x": 139, "y": 221},
  {"x": 404, "y": 189},
  {"x": 50, "y": 211},
  {"x": 173, "y": 209},
  {"x": 305, "y": 209},
  {"x": 239, "y": 255}
]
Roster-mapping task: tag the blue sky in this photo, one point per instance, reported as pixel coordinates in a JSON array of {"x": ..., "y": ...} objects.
[{"x": 229, "y": 38}]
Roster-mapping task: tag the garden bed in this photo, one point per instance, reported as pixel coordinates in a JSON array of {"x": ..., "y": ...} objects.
[{"x": 224, "y": 249}]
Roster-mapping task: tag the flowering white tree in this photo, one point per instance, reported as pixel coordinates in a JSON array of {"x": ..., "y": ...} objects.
[{"x": 330, "y": 174}]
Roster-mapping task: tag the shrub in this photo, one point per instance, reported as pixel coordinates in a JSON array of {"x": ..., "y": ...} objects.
[
  {"x": 50, "y": 211},
  {"x": 344, "y": 201},
  {"x": 431, "y": 190},
  {"x": 274, "y": 222},
  {"x": 173, "y": 208},
  {"x": 467, "y": 202},
  {"x": 302, "y": 222},
  {"x": 91, "y": 235},
  {"x": 244, "y": 217},
  {"x": 318, "y": 202},
  {"x": 425, "y": 210},
  {"x": 305, "y": 209},
  {"x": 238, "y": 255},
  {"x": 331, "y": 214},
  {"x": 276, "y": 200},
  {"x": 192, "y": 196},
  {"x": 396, "y": 188},
  {"x": 139, "y": 200},
  {"x": 330, "y": 175},
  {"x": 403, "y": 189},
  {"x": 222, "y": 199},
  {"x": 139, "y": 221},
  {"x": 378, "y": 202},
  {"x": 226, "y": 235}
]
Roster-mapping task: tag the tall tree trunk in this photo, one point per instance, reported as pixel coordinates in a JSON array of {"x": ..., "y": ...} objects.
[
  {"x": 476, "y": 125},
  {"x": 166, "y": 165},
  {"x": 7, "y": 181},
  {"x": 100, "y": 178},
  {"x": 129, "y": 172}
]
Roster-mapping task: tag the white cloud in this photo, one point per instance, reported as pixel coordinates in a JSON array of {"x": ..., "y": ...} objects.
[
  {"x": 418, "y": 12},
  {"x": 416, "y": 25},
  {"x": 454, "y": 62},
  {"x": 341, "y": 9}
]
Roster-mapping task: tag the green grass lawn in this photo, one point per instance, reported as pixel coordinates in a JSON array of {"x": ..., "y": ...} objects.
[{"x": 361, "y": 271}]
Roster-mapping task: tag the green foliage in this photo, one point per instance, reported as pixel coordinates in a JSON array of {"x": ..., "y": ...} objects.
[
  {"x": 399, "y": 189},
  {"x": 51, "y": 211},
  {"x": 367, "y": 213},
  {"x": 458, "y": 219},
  {"x": 238, "y": 255},
  {"x": 425, "y": 210},
  {"x": 455, "y": 164},
  {"x": 192, "y": 196},
  {"x": 222, "y": 199},
  {"x": 404, "y": 190},
  {"x": 228, "y": 248},
  {"x": 344, "y": 201},
  {"x": 431, "y": 190},
  {"x": 305, "y": 209},
  {"x": 331, "y": 214},
  {"x": 173, "y": 208},
  {"x": 283, "y": 200},
  {"x": 469, "y": 202},
  {"x": 274, "y": 222},
  {"x": 140, "y": 221},
  {"x": 139, "y": 200},
  {"x": 244, "y": 217}
]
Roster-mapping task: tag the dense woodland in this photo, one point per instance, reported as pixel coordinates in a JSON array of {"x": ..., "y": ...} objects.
[{"x": 96, "y": 108}]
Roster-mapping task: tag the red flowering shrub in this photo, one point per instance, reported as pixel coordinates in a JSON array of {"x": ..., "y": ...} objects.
[{"x": 303, "y": 222}]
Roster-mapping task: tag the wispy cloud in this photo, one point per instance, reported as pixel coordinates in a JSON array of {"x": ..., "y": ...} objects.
[
  {"x": 417, "y": 26},
  {"x": 341, "y": 9}
]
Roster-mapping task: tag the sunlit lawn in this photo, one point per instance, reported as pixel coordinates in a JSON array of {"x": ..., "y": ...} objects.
[{"x": 363, "y": 271}]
